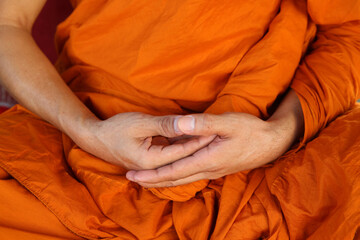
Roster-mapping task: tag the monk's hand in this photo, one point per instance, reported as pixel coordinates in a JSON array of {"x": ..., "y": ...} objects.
[
  {"x": 139, "y": 141},
  {"x": 242, "y": 142}
]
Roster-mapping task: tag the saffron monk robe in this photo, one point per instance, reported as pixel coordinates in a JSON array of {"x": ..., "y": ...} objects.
[{"x": 182, "y": 119}]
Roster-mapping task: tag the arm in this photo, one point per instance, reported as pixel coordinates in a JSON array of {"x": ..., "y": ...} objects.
[
  {"x": 28, "y": 75},
  {"x": 124, "y": 139}
]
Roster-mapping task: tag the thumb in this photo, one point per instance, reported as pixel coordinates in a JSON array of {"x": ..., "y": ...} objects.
[
  {"x": 165, "y": 126},
  {"x": 199, "y": 124}
]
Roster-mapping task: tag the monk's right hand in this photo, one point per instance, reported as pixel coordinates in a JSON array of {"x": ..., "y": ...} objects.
[{"x": 127, "y": 139}]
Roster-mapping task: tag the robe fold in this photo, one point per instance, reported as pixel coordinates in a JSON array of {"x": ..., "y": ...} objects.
[{"x": 183, "y": 57}]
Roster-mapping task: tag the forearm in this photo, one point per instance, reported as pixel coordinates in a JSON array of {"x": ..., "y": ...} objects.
[
  {"x": 288, "y": 119},
  {"x": 28, "y": 75}
]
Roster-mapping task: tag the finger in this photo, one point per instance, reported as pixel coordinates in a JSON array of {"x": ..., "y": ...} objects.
[
  {"x": 201, "y": 161},
  {"x": 202, "y": 124},
  {"x": 157, "y": 155},
  {"x": 165, "y": 126},
  {"x": 190, "y": 179}
]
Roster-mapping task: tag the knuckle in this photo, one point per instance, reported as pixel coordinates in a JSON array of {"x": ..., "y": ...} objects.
[
  {"x": 207, "y": 166},
  {"x": 166, "y": 126},
  {"x": 207, "y": 121}
]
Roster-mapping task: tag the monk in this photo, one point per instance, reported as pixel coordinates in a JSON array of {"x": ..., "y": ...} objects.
[{"x": 182, "y": 119}]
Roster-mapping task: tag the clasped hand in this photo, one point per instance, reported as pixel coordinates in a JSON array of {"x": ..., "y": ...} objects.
[{"x": 174, "y": 150}]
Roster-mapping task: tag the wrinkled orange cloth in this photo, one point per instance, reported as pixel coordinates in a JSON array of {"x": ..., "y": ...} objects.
[{"x": 180, "y": 57}]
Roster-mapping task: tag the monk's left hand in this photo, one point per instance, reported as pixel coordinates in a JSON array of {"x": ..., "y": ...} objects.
[{"x": 242, "y": 142}]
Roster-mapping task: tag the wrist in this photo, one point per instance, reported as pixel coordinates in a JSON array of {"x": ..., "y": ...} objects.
[
  {"x": 82, "y": 129},
  {"x": 283, "y": 130}
]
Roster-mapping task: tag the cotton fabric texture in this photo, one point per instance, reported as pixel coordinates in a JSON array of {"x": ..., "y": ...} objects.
[{"x": 182, "y": 57}]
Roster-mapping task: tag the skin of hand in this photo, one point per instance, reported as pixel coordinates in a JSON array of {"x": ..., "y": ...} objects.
[
  {"x": 242, "y": 142},
  {"x": 139, "y": 141}
]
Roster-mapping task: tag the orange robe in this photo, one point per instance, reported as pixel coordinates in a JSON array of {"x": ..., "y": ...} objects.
[{"x": 180, "y": 57}]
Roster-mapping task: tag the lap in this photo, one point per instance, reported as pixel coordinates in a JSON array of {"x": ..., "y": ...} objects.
[
  {"x": 23, "y": 216},
  {"x": 313, "y": 192}
]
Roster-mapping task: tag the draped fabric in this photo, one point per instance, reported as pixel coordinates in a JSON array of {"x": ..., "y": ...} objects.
[{"x": 181, "y": 57}]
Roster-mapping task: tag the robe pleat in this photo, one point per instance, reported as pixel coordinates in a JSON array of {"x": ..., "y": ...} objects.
[{"x": 183, "y": 57}]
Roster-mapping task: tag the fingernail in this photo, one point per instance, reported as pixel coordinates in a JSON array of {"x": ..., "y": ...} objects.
[
  {"x": 186, "y": 123},
  {"x": 176, "y": 127},
  {"x": 130, "y": 175}
]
